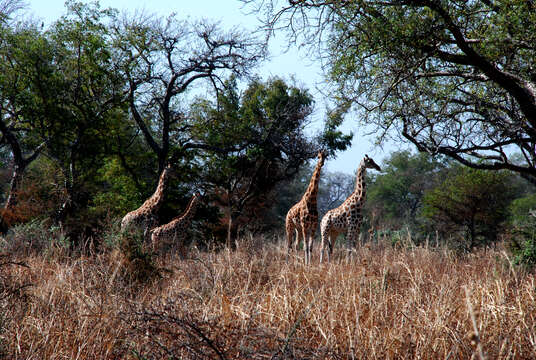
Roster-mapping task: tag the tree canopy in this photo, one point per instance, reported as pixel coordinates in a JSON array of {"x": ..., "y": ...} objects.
[
  {"x": 395, "y": 195},
  {"x": 161, "y": 60},
  {"x": 454, "y": 77},
  {"x": 265, "y": 124},
  {"x": 470, "y": 205}
]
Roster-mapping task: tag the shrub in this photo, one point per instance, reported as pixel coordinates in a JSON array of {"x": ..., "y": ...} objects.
[
  {"x": 469, "y": 206},
  {"x": 137, "y": 264},
  {"x": 36, "y": 236},
  {"x": 523, "y": 242}
]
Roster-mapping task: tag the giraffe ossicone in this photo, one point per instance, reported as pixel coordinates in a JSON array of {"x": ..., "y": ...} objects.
[
  {"x": 347, "y": 217},
  {"x": 302, "y": 218}
]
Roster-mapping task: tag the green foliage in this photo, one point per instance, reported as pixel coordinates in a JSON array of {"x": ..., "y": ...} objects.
[
  {"x": 470, "y": 206},
  {"x": 453, "y": 77},
  {"x": 522, "y": 242},
  {"x": 90, "y": 90},
  {"x": 520, "y": 209},
  {"x": 35, "y": 237},
  {"x": 122, "y": 195},
  {"x": 333, "y": 139},
  {"x": 394, "y": 197},
  {"x": 69, "y": 105},
  {"x": 26, "y": 56},
  {"x": 526, "y": 254},
  {"x": 264, "y": 130}
]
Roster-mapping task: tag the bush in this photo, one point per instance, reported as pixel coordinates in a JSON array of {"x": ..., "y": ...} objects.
[
  {"x": 523, "y": 242},
  {"x": 137, "y": 264},
  {"x": 36, "y": 236},
  {"x": 520, "y": 209},
  {"x": 469, "y": 206}
]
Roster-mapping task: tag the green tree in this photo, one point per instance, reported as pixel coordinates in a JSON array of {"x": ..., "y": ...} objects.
[
  {"x": 23, "y": 52},
  {"x": 395, "y": 196},
  {"x": 470, "y": 205},
  {"x": 62, "y": 97},
  {"x": 91, "y": 106},
  {"x": 522, "y": 208},
  {"x": 265, "y": 124},
  {"x": 161, "y": 61},
  {"x": 454, "y": 77},
  {"x": 522, "y": 239}
]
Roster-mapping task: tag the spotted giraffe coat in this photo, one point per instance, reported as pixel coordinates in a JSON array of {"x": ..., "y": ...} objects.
[
  {"x": 302, "y": 218},
  {"x": 177, "y": 228},
  {"x": 146, "y": 216},
  {"x": 347, "y": 217}
]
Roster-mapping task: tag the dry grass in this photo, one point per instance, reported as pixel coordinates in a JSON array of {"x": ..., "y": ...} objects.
[{"x": 252, "y": 304}]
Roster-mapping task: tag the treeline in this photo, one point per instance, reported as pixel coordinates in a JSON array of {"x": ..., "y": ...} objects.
[{"x": 94, "y": 107}]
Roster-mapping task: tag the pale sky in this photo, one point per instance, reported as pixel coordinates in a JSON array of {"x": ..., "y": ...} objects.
[{"x": 293, "y": 63}]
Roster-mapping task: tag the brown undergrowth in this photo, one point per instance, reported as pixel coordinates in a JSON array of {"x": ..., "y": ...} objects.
[{"x": 374, "y": 303}]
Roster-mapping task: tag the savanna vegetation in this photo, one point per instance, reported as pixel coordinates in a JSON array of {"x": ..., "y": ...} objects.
[{"x": 96, "y": 105}]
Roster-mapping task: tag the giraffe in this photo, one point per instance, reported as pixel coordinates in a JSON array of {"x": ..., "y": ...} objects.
[
  {"x": 303, "y": 216},
  {"x": 346, "y": 217},
  {"x": 145, "y": 217},
  {"x": 176, "y": 229}
]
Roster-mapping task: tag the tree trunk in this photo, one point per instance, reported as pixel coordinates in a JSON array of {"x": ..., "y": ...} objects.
[
  {"x": 8, "y": 218},
  {"x": 16, "y": 179},
  {"x": 472, "y": 234},
  {"x": 229, "y": 229},
  {"x": 67, "y": 205}
]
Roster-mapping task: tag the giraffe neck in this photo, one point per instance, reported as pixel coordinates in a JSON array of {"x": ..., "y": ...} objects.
[
  {"x": 312, "y": 189},
  {"x": 360, "y": 186},
  {"x": 190, "y": 210},
  {"x": 158, "y": 197}
]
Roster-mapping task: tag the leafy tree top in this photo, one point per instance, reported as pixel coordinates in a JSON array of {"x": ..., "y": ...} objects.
[
  {"x": 399, "y": 189},
  {"x": 454, "y": 77},
  {"x": 473, "y": 200}
]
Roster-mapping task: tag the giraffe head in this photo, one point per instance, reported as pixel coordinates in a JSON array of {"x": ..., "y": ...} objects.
[
  {"x": 169, "y": 169},
  {"x": 197, "y": 198},
  {"x": 369, "y": 163},
  {"x": 321, "y": 157}
]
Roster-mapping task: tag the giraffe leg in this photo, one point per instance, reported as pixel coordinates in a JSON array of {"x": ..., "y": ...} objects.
[
  {"x": 293, "y": 238},
  {"x": 324, "y": 235},
  {"x": 181, "y": 246},
  {"x": 353, "y": 234},
  {"x": 310, "y": 245},
  {"x": 154, "y": 239},
  {"x": 304, "y": 236},
  {"x": 151, "y": 223},
  {"x": 332, "y": 238},
  {"x": 328, "y": 237},
  {"x": 307, "y": 244},
  {"x": 290, "y": 233}
]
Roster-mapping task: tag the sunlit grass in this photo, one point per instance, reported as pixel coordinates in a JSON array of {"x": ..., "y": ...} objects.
[{"x": 250, "y": 303}]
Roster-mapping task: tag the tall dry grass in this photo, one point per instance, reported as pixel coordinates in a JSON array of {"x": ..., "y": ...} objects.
[{"x": 251, "y": 303}]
